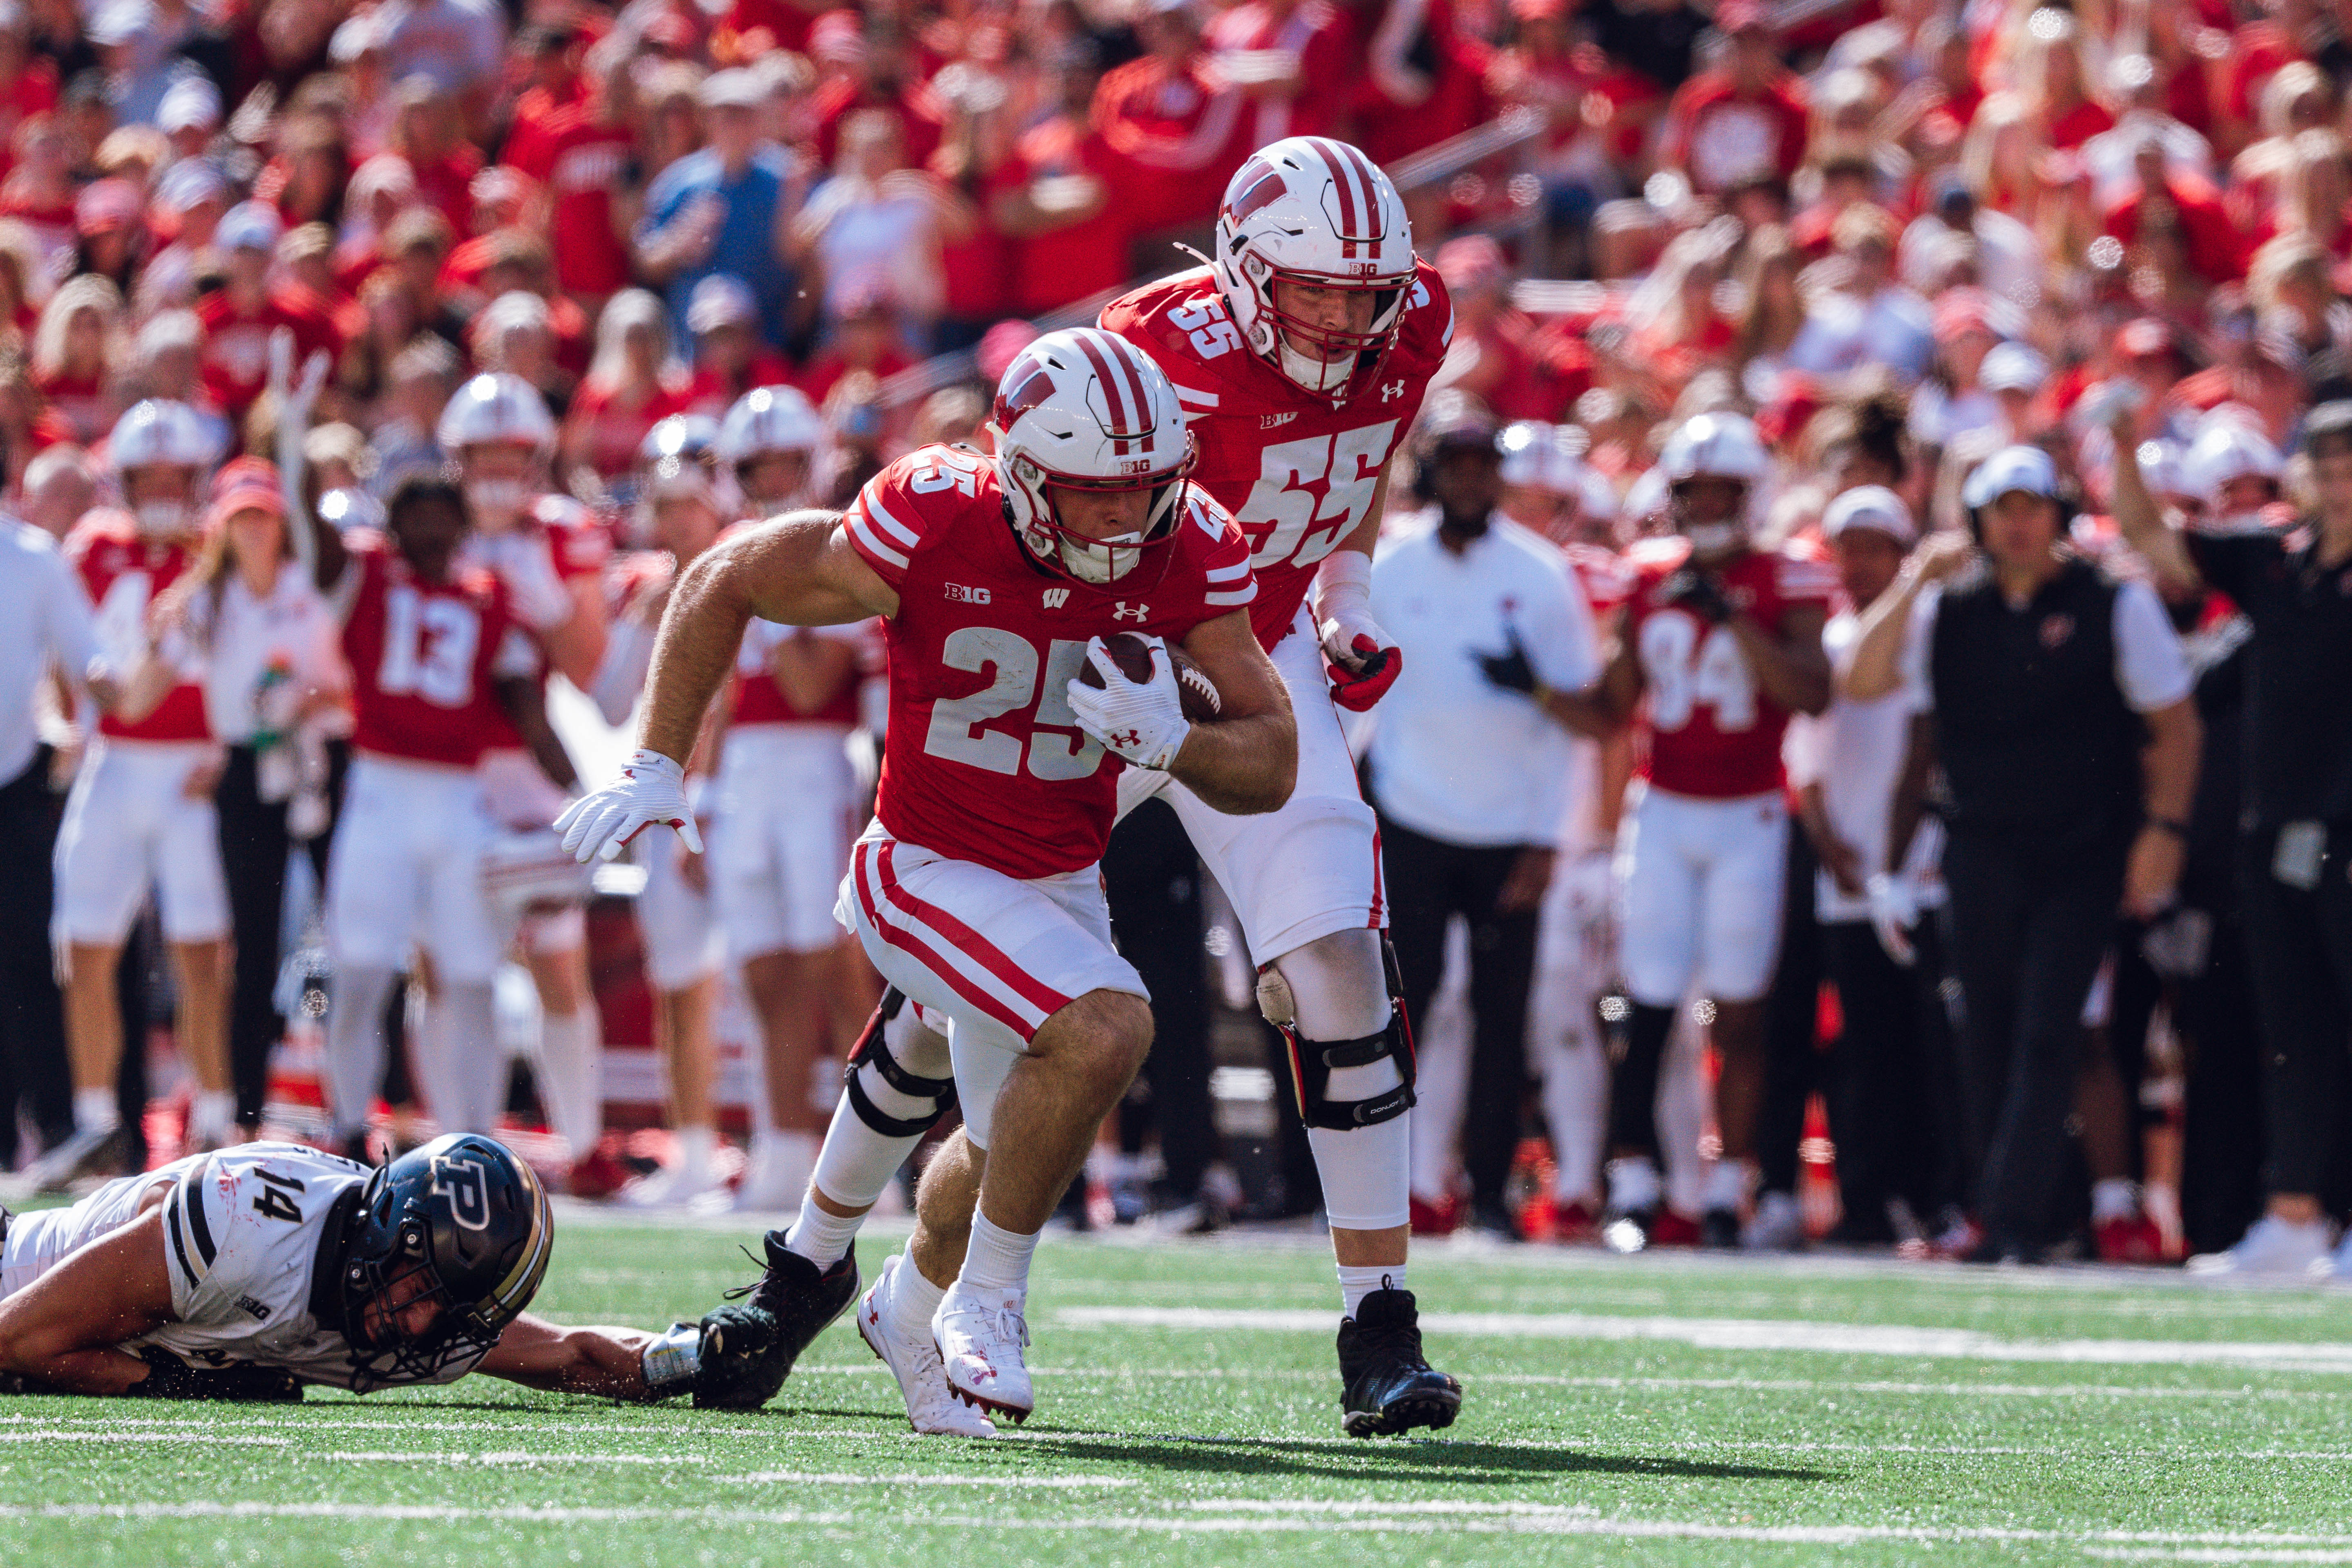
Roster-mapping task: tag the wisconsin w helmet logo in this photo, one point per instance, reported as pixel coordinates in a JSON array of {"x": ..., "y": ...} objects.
[{"x": 465, "y": 1181}]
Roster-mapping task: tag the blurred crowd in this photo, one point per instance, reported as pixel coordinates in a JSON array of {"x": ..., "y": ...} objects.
[{"x": 710, "y": 243}]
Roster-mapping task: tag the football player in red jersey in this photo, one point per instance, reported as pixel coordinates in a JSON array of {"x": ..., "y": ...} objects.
[
  {"x": 142, "y": 806},
  {"x": 1301, "y": 353},
  {"x": 549, "y": 554},
  {"x": 977, "y": 890},
  {"x": 1719, "y": 645}
]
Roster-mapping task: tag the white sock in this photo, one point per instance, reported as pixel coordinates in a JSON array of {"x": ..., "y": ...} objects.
[
  {"x": 697, "y": 1146},
  {"x": 819, "y": 1235},
  {"x": 1728, "y": 1184},
  {"x": 571, "y": 1077},
  {"x": 1633, "y": 1184},
  {"x": 996, "y": 1260},
  {"x": 1356, "y": 1282},
  {"x": 913, "y": 1302},
  {"x": 2114, "y": 1198},
  {"x": 95, "y": 1111},
  {"x": 212, "y": 1115}
]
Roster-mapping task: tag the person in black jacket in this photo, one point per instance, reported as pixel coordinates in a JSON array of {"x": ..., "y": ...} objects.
[{"x": 2064, "y": 726}]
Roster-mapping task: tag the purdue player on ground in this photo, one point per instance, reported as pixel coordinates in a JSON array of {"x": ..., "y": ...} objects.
[{"x": 254, "y": 1271}]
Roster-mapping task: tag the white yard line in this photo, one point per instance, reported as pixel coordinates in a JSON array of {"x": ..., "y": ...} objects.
[
  {"x": 910, "y": 1479},
  {"x": 90, "y": 1435},
  {"x": 508, "y": 1456},
  {"x": 1757, "y": 1334}
]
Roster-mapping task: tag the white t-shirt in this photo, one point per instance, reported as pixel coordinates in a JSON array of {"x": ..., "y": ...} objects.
[
  {"x": 292, "y": 632},
  {"x": 45, "y": 618},
  {"x": 2150, "y": 669},
  {"x": 1854, "y": 750},
  {"x": 1454, "y": 756}
]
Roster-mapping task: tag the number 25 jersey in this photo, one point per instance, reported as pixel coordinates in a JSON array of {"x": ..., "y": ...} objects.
[
  {"x": 1711, "y": 730},
  {"x": 1297, "y": 474},
  {"x": 984, "y": 761}
]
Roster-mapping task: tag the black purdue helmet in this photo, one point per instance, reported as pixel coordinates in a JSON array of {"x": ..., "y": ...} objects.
[{"x": 473, "y": 1217}]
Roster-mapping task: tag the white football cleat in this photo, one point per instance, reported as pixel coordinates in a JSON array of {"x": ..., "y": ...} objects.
[
  {"x": 777, "y": 1175},
  {"x": 932, "y": 1407},
  {"x": 2273, "y": 1249},
  {"x": 981, "y": 1339}
]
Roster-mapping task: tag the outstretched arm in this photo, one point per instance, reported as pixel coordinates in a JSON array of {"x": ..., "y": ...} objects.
[
  {"x": 1874, "y": 668},
  {"x": 798, "y": 569},
  {"x": 63, "y": 1329},
  {"x": 600, "y": 1361}
]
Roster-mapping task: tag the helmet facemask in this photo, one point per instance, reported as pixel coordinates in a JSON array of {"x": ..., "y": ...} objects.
[
  {"x": 1712, "y": 538},
  {"x": 1337, "y": 363},
  {"x": 382, "y": 1350},
  {"x": 1081, "y": 557}
]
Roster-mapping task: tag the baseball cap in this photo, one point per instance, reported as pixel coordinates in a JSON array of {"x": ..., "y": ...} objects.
[
  {"x": 1874, "y": 507},
  {"x": 249, "y": 484},
  {"x": 187, "y": 182},
  {"x": 2027, "y": 469},
  {"x": 249, "y": 225},
  {"x": 735, "y": 88},
  {"x": 191, "y": 103},
  {"x": 2013, "y": 367},
  {"x": 720, "y": 300},
  {"x": 105, "y": 206},
  {"x": 121, "y": 22}
]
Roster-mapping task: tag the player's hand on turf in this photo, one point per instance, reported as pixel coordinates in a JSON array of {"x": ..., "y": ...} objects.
[
  {"x": 1511, "y": 671},
  {"x": 1362, "y": 661},
  {"x": 651, "y": 788},
  {"x": 737, "y": 1365},
  {"x": 1142, "y": 723}
]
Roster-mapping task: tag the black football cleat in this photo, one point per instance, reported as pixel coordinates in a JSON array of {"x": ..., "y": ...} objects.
[
  {"x": 803, "y": 1301},
  {"x": 1718, "y": 1230},
  {"x": 1389, "y": 1386}
]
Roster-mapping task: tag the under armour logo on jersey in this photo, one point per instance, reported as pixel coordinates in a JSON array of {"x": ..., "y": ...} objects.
[
  {"x": 1393, "y": 391},
  {"x": 1056, "y": 597},
  {"x": 1121, "y": 612},
  {"x": 1276, "y": 421}
]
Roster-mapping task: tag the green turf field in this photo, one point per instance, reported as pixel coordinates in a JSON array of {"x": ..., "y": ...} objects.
[{"x": 1671, "y": 1410}]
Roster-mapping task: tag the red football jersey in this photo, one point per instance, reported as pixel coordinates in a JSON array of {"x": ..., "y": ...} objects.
[
  {"x": 424, "y": 657},
  {"x": 235, "y": 359},
  {"x": 984, "y": 761},
  {"x": 123, "y": 574},
  {"x": 1711, "y": 730},
  {"x": 1295, "y": 473}
]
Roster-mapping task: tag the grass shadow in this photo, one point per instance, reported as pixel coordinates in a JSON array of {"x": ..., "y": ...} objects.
[{"x": 1433, "y": 1460}]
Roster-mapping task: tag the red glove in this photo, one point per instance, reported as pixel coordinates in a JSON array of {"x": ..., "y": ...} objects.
[{"x": 1377, "y": 669}]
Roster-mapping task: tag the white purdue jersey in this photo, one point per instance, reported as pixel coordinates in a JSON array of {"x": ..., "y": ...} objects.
[{"x": 243, "y": 1229}]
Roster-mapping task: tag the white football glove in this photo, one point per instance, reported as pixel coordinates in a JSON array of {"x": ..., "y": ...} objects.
[
  {"x": 651, "y": 789},
  {"x": 1893, "y": 910},
  {"x": 1143, "y": 724}
]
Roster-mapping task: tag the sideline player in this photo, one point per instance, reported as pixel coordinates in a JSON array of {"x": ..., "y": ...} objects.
[
  {"x": 976, "y": 891},
  {"x": 142, "y": 807},
  {"x": 249, "y": 1273},
  {"x": 1724, "y": 640}
]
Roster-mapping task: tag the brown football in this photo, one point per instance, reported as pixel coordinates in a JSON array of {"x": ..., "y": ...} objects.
[{"x": 1132, "y": 653}]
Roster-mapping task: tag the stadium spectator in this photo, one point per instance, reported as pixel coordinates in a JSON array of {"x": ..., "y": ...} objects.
[
  {"x": 1499, "y": 649},
  {"x": 2063, "y": 725},
  {"x": 1744, "y": 119},
  {"x": 725, "y": 208},
  {"x": 878, "y": 226},
  {"x": 1172, "y": 118},
  {"x": 1061, "y": 197},
  {"x": 629, "y": 389}
]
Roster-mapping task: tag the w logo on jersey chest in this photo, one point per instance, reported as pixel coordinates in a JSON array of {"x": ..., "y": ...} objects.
[{"x": 1056, "y": 597}]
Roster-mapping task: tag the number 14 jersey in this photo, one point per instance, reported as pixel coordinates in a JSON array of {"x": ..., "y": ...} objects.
[
  {"x": 984, "y": 761},
  {"x": 1297, "y": 474}
]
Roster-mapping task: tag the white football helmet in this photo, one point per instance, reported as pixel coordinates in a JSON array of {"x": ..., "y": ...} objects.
[
  {"x": 771, "y": 420},
  {"x": 1717, "y": 446},
  {"x": 692, "y": 436},
  {"x": 2223, "y": 452},
  {"x": 161, "y": 433},
  {"x": 1084, "y": 409},
  {"x": 1319, "y": 213},
  {"x": 496, "y": 409}
]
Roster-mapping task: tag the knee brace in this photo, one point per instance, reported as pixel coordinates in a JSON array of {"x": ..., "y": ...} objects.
[
  {"x": 1312, "y": 1062},
  {"x": 873, "y": 1050}
]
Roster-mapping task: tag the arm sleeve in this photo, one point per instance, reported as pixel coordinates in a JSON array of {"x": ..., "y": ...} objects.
[{"x": 2150, "y": 665}]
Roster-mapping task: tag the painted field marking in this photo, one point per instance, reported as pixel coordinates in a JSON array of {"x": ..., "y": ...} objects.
[
  {"x": 1757, "y": 1334},
  {"x": 508, "y": 1456},
  {"x": 911, "y": 1478},
  {"x": 84, "y": 1435}
]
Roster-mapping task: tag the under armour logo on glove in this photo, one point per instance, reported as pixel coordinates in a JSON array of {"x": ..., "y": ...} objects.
[{"x": 1142, "y": 722}]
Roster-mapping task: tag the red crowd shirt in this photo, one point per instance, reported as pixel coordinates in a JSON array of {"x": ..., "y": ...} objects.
[
  {"x": 1295, "y": 473},
  {"x": 123, "y": 572},
  {"x": 1713, "y": 732},
  {"x": 234, "y": 362},
  {"x": 984, "y": 761},
  {"x": 424, "y": 657},
  {"x": 1320, "y": 35},
  {"x": 1178, "y": 129},
  {"x": 615, "y": 432},
  {"x": 1718, "y": 136},
  {"x": 1051, "y": 271},
  {"x": 580, "y": 162}
]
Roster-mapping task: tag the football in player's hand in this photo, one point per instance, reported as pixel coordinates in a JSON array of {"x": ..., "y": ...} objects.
[{"x": 1132, "y": 653}]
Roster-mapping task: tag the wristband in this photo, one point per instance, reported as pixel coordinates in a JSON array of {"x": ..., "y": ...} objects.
[{"x": 671, "y": 1359}]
